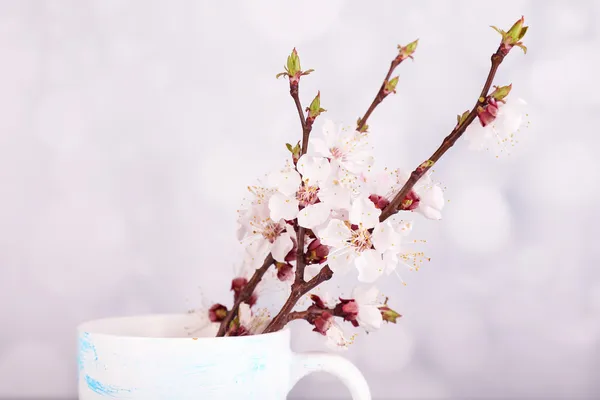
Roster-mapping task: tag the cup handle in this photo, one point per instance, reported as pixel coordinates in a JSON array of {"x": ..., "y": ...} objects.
[{"x": 306, "y": 363}]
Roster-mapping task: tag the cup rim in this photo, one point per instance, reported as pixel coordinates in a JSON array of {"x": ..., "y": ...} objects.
[{"x": 81, "y": 329}]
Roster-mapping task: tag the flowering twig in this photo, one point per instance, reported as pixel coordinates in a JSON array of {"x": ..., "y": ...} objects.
[
  {"x": 464, "y": 121},
  {"x": 389, "y": 85},
  {"x": 294, "y": 72},
  {"x": 313, "y": 112},
  {"x": 245, "y": 294}
]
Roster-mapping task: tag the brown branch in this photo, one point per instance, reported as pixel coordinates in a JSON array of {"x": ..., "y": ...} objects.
[
  {"x": 298, "y": 290},
  {"x": 381, "y": 94},
  {"x": 448, "y": 142},
  {"x": 245, "y": 294},
  {"x": 310, "y": 314},
  {"x": 306, "y": 129}
]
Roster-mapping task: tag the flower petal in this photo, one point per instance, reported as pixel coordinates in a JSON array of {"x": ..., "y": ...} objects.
[
  {"x": 390, "y": 259},
  {"x": 363, "y": 212},
  {"x": 245, "y": 315},
  {"x": 287, "y": 181},
  {"x": 369, "y": 316},
  {"x": 283, "y": 207},
  {"x": 370, "y": 266},
  {"x": 336, "y": 195},
  {"x": 364, "y": 295},
  {"x": 282, "y": 246},
  {"x": 330, "y": 133},
  {"x": 385, "y": 237},
  {"x": 313, "y": 215},
  {"x": 314, "y": 170},
  {"x": 336, "y": 234},
  {"x": 340, "y": 262},
  {"x": 335, "y": 338},
  {"x": 319, "y": 146}
]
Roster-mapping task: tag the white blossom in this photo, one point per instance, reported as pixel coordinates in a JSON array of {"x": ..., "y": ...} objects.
[
  {"x": 369, "y": 316},
  {"x": 498, "y": 135},
  {"x": 261, "y": 234},
  {"x": 425, "y": 197},
  {"x": 346, "y": 148},
  {"x": 362, "y": 241}
]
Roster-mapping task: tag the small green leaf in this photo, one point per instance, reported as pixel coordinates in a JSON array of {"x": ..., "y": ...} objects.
[
  {"x": 514, "y": 33},
  {"x": 314, "y": 110},
  {"x": 412, "y": 46},
  {"x": 408, "y": 50},
  {"x": 293, "y": 63},
  {"x": 390, "y": 86},
  {"x": 426, "y": 164},
  {"x": 388, "y": 314},
  {"x": 501, "y": 92},
  {"x": 500, "y": 31},
  {"x": 462, "y": 118},
  {"x": 523, "y": 32}
]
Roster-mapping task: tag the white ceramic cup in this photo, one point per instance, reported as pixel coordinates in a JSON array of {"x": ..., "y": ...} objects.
[{"x": 154, "y": 357}]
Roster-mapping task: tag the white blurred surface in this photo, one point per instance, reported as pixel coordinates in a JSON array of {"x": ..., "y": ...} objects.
[{"x": 129, "y": 131}]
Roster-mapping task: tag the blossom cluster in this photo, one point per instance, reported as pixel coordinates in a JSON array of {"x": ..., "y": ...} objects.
[{"x": 330, "y": 206}]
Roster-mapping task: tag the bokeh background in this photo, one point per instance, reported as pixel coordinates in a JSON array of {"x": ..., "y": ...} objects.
[{"x": 130, "y": 129}]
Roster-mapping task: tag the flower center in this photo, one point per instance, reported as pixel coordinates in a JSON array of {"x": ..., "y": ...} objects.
[
  {"x": 410, "y": 202},
  {"x": 361, "y": 239},
  {"x": 336, "y": 152},
  {"x": 307, "y": 195},
  {"x": 271, "y": 231}
]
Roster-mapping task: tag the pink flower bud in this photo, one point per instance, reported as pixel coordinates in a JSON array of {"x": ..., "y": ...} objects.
[
  {"x": 235, "y": 329},
  {"x": 348, "y": 309},
  {"x": 237, "y": 285},
  {"x": 488, "y": 112},
  {"x": 379, "y": 201},
  {"x": 217, "y": 313},
  {"x": 323, "y": 322},
  {"x": 291, "y": 256},
  {"x": 285, "y": 271},
  {"x": 317, "y": 301},
  {"x": 317, "y": 253}
]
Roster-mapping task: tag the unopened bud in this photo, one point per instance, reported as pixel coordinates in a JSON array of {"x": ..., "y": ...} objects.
[
  {"x": 317, "y": 301},
  {"x": 513, "y": 36},
  {"x": 407, "y": 51},
  {"x": 379, "y": 201},
  {"x": 237, "y": 285},
  {"x": 314, "y": 110},
  {"x": 217, "y": 313},
  {"x": 285, "y": 271},
  {"x": 293, "y": 70},
  {"x": 390, "y": 86},
  {"x": 316, "y": 253},
  {"x": 348, "y": 309},
  {"x": 323, "y": 322},
  {"x": 295, "y": 150}
]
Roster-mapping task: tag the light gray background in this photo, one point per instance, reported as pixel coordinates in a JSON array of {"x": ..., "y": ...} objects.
[{"x": 130, "y": 129}]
